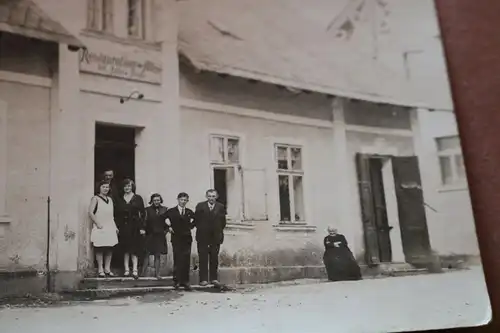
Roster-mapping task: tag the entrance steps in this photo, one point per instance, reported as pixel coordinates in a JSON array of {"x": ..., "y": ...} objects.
[{"x": 93, "y": 287}]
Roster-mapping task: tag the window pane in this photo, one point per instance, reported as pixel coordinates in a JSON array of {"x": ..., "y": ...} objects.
[
  {"x": 459, "y": 162},
  {"x": 92, "y": 11},
  {"x": 298, "y": 195},
  {"x": 217, "y": 149},
  {"x": 134, "y": 10},
  {"x": 284, "y": 192},
  {"x": 296, "y": 159},
  {"x": 233, "y": 152},
  {"x": 282, "y": 157},
  {"x": 446, "y": 173},
  {"x": 449, "y": 142},
  {"x": 107, "y": 21}
]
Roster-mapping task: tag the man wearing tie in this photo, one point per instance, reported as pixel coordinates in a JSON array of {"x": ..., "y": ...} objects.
[
  {"x": 181, "y": 222},
  {"x": 210, "y": 221}
]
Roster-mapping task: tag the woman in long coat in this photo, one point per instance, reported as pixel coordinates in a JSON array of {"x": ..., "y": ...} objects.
[
  {"x": 156, "y": 231},
  {"x": 130, "y": 215},
  {"x": 339, "y": 261}
]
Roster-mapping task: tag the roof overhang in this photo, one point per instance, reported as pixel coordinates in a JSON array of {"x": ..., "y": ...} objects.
[
  {"x": 26, "y": 18},
  {"x": 207, "y": 66}
]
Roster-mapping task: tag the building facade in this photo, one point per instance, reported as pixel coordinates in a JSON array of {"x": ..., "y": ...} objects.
[{"x": 287, "y": 163}]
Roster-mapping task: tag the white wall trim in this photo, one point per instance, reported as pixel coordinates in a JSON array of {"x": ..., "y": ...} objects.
[
  {"x": 27, "y": 79},
  {"x": 253, "y": 113},
  {"x": 379, "y": 131}
]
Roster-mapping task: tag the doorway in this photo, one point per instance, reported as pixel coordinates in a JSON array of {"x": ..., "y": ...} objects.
[
  {"x": 115, "y": 150},
  {"x": 374, "y": 206},
  {"x": 391, "y": 198}
]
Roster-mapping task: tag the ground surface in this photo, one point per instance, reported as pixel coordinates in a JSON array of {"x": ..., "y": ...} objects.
[{"x": 391, "y": 304}]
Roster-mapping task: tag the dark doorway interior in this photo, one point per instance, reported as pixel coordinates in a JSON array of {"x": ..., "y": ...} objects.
[
  {"x": 115, "y": 149},
  {"x": 220, "y": 185}
]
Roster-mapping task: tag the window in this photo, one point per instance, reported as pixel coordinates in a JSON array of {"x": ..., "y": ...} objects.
[
  {"x": 100, "y": 15},
  {"x": 226, "y": 174},
  {"x": 290, "y": 182},
  {"x": 224, "y": 149},
  {"x": 451, "y": 160},
  {"x": 136, "y": 10}
]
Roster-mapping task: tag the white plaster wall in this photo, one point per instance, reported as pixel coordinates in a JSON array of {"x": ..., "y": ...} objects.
[
  {"x": 24, "y": 243},
  {"x": 257, "y": 151},
  {"x": 451, "y": 228}
]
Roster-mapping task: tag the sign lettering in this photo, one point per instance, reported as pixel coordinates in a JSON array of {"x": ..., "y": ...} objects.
[{"x": 120, "y": 67}]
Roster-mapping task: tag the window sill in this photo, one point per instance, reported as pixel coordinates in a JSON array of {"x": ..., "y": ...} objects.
[
  {"x": 453, "y": 188},
  {"x": 122, "y": 40},
  {"x": 297, "y": 227},
  {"x": 240, "y": 225}
]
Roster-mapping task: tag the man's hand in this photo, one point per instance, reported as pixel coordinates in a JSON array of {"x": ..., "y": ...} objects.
[
  {"x": 143, "y": 232},
  {"x": 98, "y": 225}
]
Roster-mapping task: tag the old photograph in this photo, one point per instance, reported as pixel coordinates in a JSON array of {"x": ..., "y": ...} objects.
[{"x": 222, "y": 165}]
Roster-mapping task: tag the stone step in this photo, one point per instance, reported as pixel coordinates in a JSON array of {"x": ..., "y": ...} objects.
[
  {"x": 124, "y": 291},
  {"x": 125, "y": 282}
]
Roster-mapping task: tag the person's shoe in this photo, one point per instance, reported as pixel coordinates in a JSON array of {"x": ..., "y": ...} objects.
[
  {"x": 158, "y": 277},
  {"x": 203, "y": 283},
  {"x": 215, "y": 283},
  {"x": 187, "y": 287},
  {"x": 135, "y": 275},
  {"x": 126, "y": 274},
  {"x": 176, "y": 286}
]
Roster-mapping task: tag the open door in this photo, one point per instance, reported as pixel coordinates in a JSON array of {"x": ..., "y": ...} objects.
[
  {"x": 412, "y": 217},
  {"x": 372, "y": 255}
]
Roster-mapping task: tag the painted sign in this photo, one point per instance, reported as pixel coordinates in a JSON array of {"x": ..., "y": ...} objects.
[{"x": 120, "y": 66}]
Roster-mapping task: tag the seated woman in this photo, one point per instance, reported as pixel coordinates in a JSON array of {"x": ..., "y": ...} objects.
[{"x": 339, "y": 261}]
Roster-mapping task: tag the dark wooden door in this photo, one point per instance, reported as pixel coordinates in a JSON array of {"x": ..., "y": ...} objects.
[
  {"x": 372, "y": 255},
  {"x": 380, "y": 209},
  {"x": 412, "y": 217}
]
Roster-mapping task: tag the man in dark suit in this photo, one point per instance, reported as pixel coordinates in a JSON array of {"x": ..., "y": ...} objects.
[
  {"x": 181, "y": 222},
  {"x": 109, "y": 176},
  {"x": 210, "y": 221}
]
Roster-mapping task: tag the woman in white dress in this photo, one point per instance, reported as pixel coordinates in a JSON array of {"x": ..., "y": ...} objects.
[{"x": 104, "y": 232}]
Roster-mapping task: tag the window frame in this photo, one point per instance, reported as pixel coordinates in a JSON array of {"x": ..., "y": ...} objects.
[
  {"x": 451, "y": 154},
  {"x": 141, "y": 17},
  {"x": 226, "y": 164},
  {"x": 97, "y": 16},
  {"x": 225, "y": 138},
  {"x": 291, "y": 173}
]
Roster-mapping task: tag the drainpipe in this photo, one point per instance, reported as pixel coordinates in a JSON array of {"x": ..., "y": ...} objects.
[{"x": 47, "y": 261}]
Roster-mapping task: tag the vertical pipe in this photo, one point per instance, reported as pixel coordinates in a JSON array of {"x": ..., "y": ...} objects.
[{"x": 49, "y": 284}]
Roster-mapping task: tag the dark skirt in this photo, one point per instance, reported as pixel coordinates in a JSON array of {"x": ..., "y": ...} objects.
[
  {"x": 157, "y": 243},
  {"x": 341, "y": 266},
  {"x": 131, "y": 241}
]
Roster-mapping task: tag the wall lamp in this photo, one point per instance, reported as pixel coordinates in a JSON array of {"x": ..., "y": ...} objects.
[{"x": 132, "y": 94}]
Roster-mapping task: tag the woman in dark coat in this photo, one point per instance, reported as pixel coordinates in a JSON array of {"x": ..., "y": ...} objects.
[
  {"x": 156, "y": 231},
  {"x": 339, "y": 261},
  {"x": 129, "y": 217}
]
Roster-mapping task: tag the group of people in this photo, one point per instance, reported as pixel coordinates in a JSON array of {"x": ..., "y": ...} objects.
[{"x": 120, "y": 218}]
